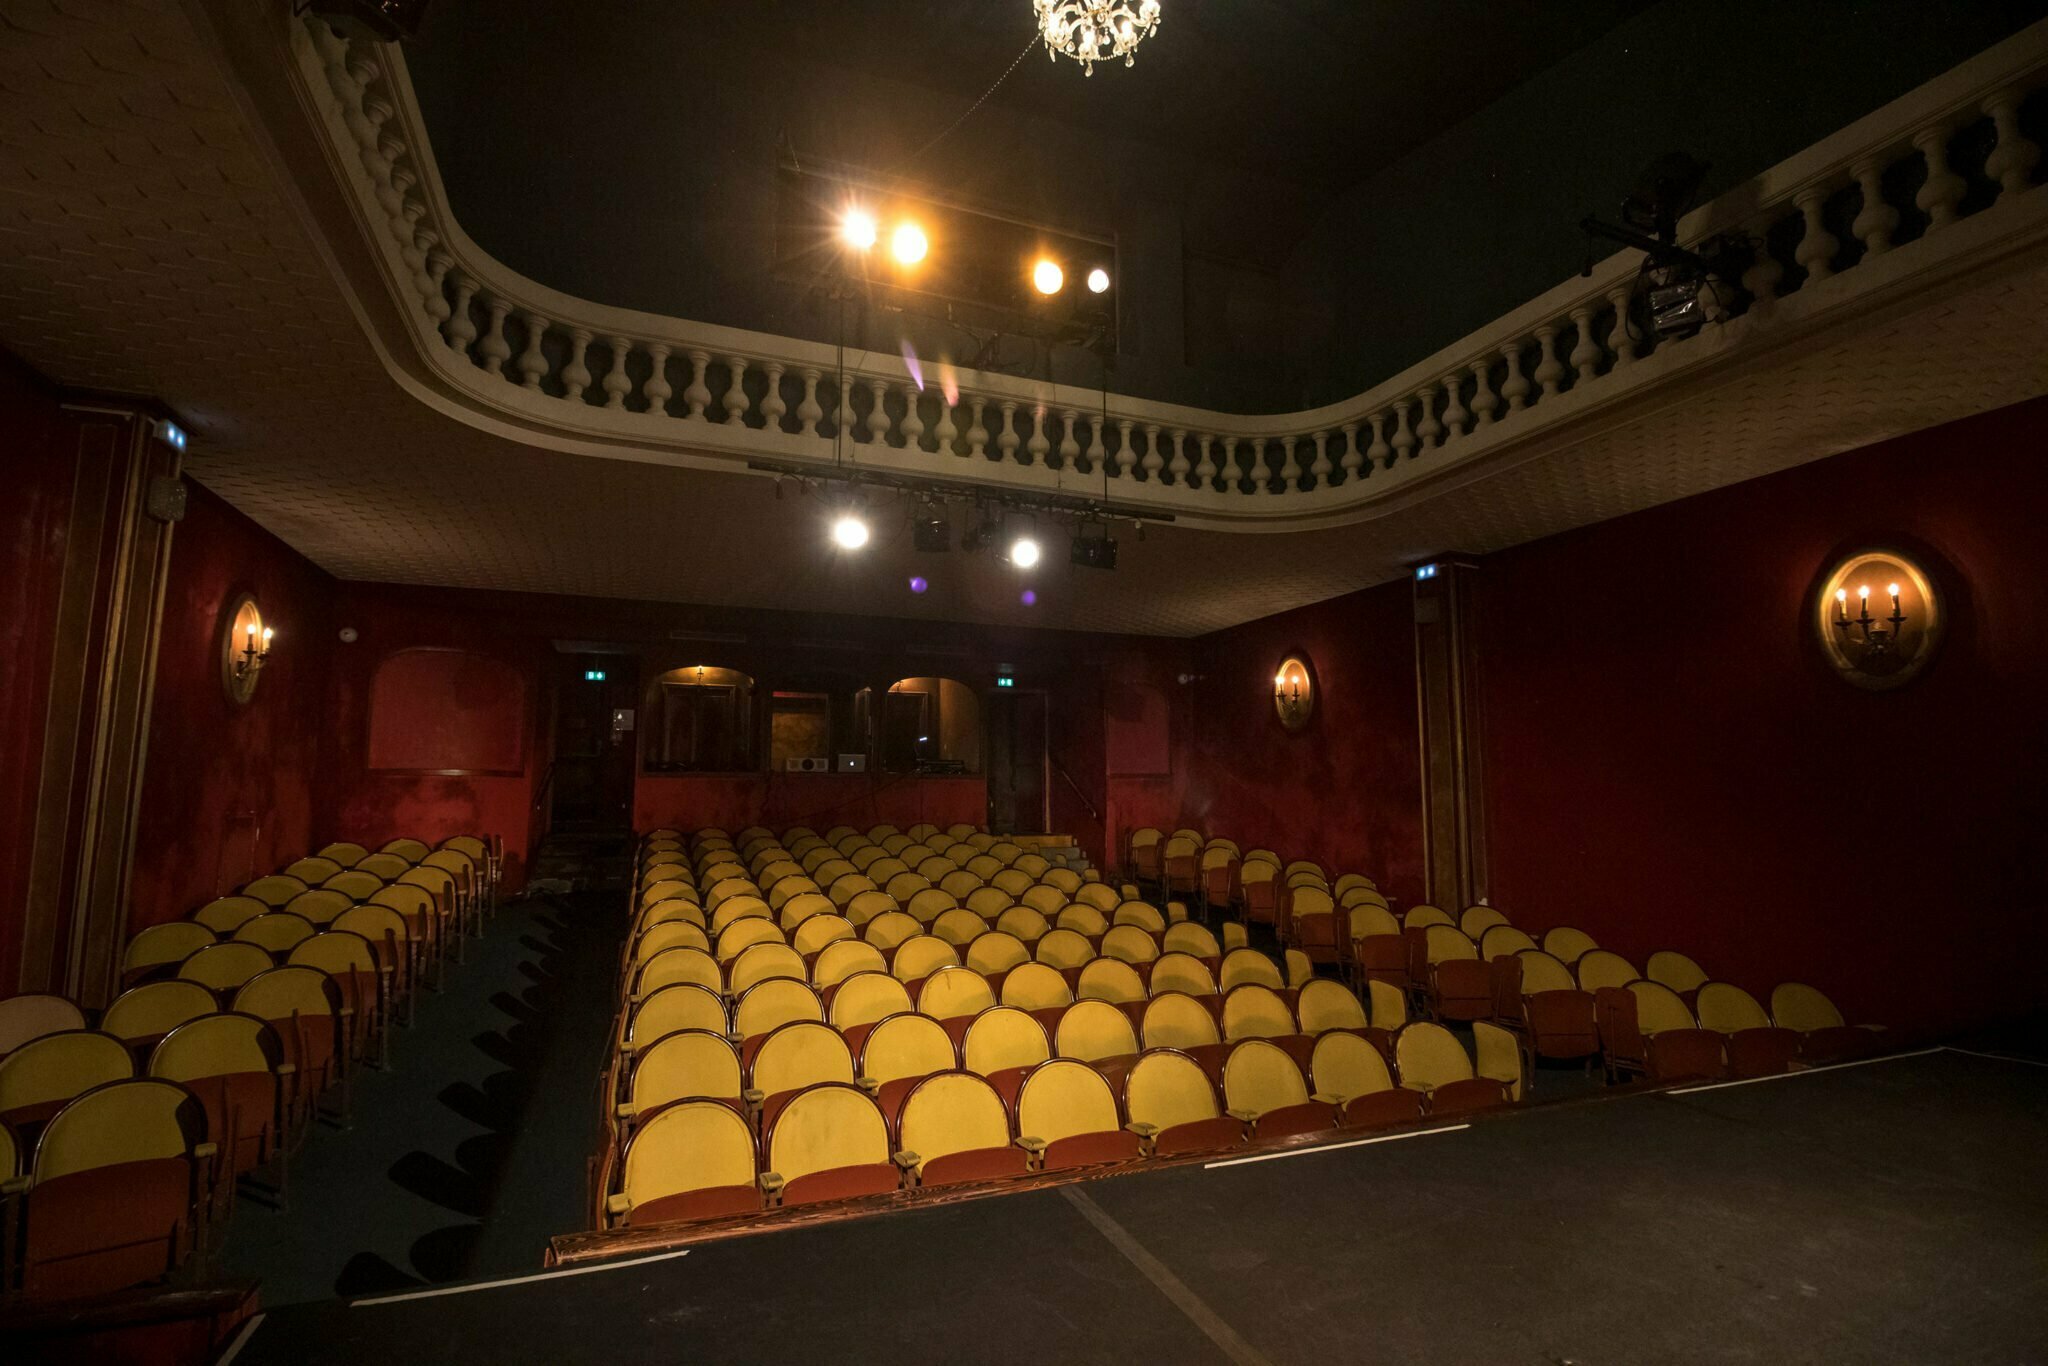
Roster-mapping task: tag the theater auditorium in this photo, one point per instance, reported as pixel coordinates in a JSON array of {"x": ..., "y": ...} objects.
[{"x": 1242, "y": 681}]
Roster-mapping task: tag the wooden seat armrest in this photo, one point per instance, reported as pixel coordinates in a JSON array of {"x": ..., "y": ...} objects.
[
  {"x": 1033, "y": 1144},
  {"x": 771, "y": 1185},
  {"x": 14, "y": 1185},
  {"x": 206, "y": 1151},
  {"x": 623, "y": 1110},
  {"x": 1326, "y": 1098},
  {"x": 907, "y": 1160},
  {"x": 753, "y": 1096},
  {"x": 1143, "y": 1130},
  {"x": 868, "y": 1084},
  {"x": 287, "y": 1069},
  {"x": 1244, "y": 1116},
  {"x": 618, "y": 1206}
]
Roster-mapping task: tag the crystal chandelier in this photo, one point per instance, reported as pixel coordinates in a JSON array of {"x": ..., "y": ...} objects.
[{"x": 1089, "y": 30}]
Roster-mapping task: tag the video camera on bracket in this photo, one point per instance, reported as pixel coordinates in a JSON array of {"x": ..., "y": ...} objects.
[{"x": 1675, "y": 281}]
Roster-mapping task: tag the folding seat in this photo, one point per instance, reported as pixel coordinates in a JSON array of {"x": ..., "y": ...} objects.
[
  {"x": 1312, "y": 924},
  {"x": 1264, "y": 1089},
  {"x": 1139, "y": 914},
  {"x": 1174, "y": 1020},
  {"x": 1497, "y": 1056},
  {"x": 730, "y": 910},
  {"x": 1503, "y": 939},
  {"x": 1756, "y": 1047},
  {"x": 386, "y": 866},
  {"x": 351, "y": 964},
  {"x": 1455, "y": 983},
  {"x": 858, "y": 898},
  {"x": 685, "y": 1064},
  {"x": 1097, "y": 1033},
  {"x": 1824, "y": 1035},
  {"x": 389, "y": 938},
  {"x": 1247, "y": 965},
  {"x": 1379, "y": 953},
  {"x": 1558, "y": 1013},
  {"x": 1011, "y": 882},
  {"x": 863, "y": 856},
  {"x": 989, "y": 902},
  {"x": 959, "y": 884},
  {"x": 717, "y": 894},
  {"x": 679, "y": 964},
  {"x": 899, "y": 1052},
  {"x": 1180, "y": 865},
  {"x": 1423, "y": 916},
  {"x": 961, "y": 830},
  {"x": 39, "y": 1077},
  {"x": 1191, "y": 938},
  {"x": 904, "y": 886},
  {"x": 1040, "y": 989},
  {"x": 742, "y": 935},
  {"x": 673, "y": 908},
  {"x": 954, "y": 996},
  {"x": 895, "y": 841},
  {"x": 1219, "y": 865},
  {"x": 115, "y": 1190},
  {"x": 416, "y": 905},
  {"x": 1182, "y": 972},
  {"x": 1599, "y": 968},
  {"x": 154, "y": 952},
  {"x": 691, "y": 1159},
  {"x": 1082, "y": 919},
  {"x": 809, "y": 897},
  {"x": 1475, "y": 921},
  {"x": 829, "y": 1143},
  {"x": 670, "y": 934},
  {"x": 1032, "y": 866},
  {"x": 226, "y": 914},
  {"x": 311, "y": 870},
  {"x": 142, "y": 1015},
  {"x": 1143, "y": 854},
  {"x": 778, "y": 870},
  {"x": 277, "y": 890},
  {"x": 1389, "y": 1008},
  {"x": 236, "y": 1067},
  {"x": 1027, "y": 923},
  {"x": 1112, "y": 980},
  {"x": 862, "y": 1001},
  {"x": 1002, "y": 1044},
  {"x": 344, "y": 852},
  {"x": 1668, "y": 967},
  {"x": 1347, "y": 882},
  {"x": 864, "y": 907},
  {"x": 1324, "y": 1005},
  {"x": 1431, "y": 1060},
  {"x": 954, "y": 1127},
  {"x": 994, "y": 953},
  {"x": 1131, "y": 944},
  {"x": 1065, "y": 881},
  {"x": 682, "y": 1005},
  {"x": 1100, "y": 895},
  {"x": 1252, "y": 1010},
  {"x": 921, "y": 955},
  {"x": 1174, "y": 1108},
  {"x": 305, "y": 1007},
  {"x": 357, "y": 885},
  {"x": 760, "y": 963},
  {"x": 922, "y": 831},
  {"x": 1352, "y": 1075},
  {"x": 1065, "y": 949},
  {"x": 816, "y": 932},
  {"x": 1360, "y": 895},
  {"x": 1260, "y": 886},
  {"x": 318, "y": 906},
  {"x": 1067, "y": 1117},
  {"x": 277, "y": 931},
  {"x": 1005, "y": 852},
  {"x": 1567, "y": 944},
  {"x": 800, "y": 1054},
  {"x": 959, "y": 928},
  {"x": 928, "y": 905},
  {"x": 890, "y": 929},
  {"x": 769, "y": 1005},
  {"x": 225, "y": 967},
  {"x": 841, "y": 959},
  {"x": 1673, "y": 1046}
]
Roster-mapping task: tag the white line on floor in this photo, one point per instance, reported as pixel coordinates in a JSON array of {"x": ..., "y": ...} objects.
[
  {"x": 1995, "y": 1057},
  {"x": 241, "y": 1340},
  {"x": 515, "y": 1280},
  {"x": 1333, "y": 1147},
  {"x": 1802, "y": 1072}
]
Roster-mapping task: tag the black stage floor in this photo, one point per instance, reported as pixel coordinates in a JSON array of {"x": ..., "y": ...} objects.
[{"x": 1893, "y": 1211}]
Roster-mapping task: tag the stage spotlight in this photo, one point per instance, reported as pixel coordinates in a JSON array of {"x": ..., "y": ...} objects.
[
  {"x": 1024, "y": 552},
  {"x": 908, "y": 245},
  {"x": 1096, "y": 551},
  {"x": 1047, "y": 277},
  {"x": 1098, "y": 281},
  {"x": 850, "y": 531},
  {"x": 930, "y": 531},
  {"x": 857, "y": 229}
]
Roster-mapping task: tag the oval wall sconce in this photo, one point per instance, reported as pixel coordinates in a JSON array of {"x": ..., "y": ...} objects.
[
  {"x": 244, "y": 649},
  {"x": 1879, "y": 618},
  {"x": 1294, "y": 692}
]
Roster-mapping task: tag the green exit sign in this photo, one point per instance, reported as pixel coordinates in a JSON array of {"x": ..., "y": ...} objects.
[
  {"x": 1005, "y": 681},
  {"x": 593, "y": 675}
]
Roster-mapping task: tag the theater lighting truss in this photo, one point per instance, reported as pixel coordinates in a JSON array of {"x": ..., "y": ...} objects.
[{"x": 1095, "y": 30}]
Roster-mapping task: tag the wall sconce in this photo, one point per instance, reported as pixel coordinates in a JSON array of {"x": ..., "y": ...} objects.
[
  {"x": 1878, "y": 619},
  {"x": 245, "y": 649},
  {"x": 1294, "y": 692}
]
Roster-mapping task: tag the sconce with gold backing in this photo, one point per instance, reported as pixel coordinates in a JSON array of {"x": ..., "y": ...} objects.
[
  {"x": 245, "y": 649},
  {"x": 1294, "y": 693},
  {"x": 1879, "y": 618}
]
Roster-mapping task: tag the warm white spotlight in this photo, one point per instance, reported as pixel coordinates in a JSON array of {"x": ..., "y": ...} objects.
[
  {"x": 857, "y": 229},
  {"x": 908, "y": 245},
  {"x": 1047, "y": 277},
  {"x": 850, "y": 531},
  {"x": 1098, "y": 281},
  {"x": 1024, "y": 552}
]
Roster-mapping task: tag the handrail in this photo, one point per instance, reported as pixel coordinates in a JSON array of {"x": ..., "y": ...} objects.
[
  {"x": 520, "y": 357},
  {"x": 547, "y": 783},
  {"x": 1079, "y": 795}
]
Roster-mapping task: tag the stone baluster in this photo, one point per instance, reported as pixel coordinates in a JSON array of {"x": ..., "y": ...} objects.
[
  {"x": 533, "y": 362},
  {"x": 1456, "y": 416},
  {"x": 1379, "y": 452},
  {"x": 1515, "y": 387},
  {"x": 2014, "y": 156},
  {"x": 1404, "y": 438},
  {"x": 460, "y": 329},
  {"x": 1290, "y": 467},
  {"x": 735, "y": 401},
  {"x": 1817, "y": 246},
  {"x": 657, "y": 390},
  {"x": 1070, "y": 445},
  {"x": 1943, "y": 189},
  {"x": 1320, "y": 467},
  {"x": 1262, "y": 469},
  {"x": 810, "y": 414},
  {"x": 878, "y": 413},
  {"x": 1585, "y": 355},
  {"x": 1621, "y": 338},
  {"x": 1154, "y": 461},
  {"x": 1232, "y": 472},
  {"x": 1429, "y": 430},
  {"x": 977, "y": 433},
  {"x": 1485, "y": 403},
  {"x": 842, "y": 408},
  {"x": 494, "y": 348},
  {"x": 697, "y": 396},
  {"x": 1097, "y": 453},
  {"x": 773, "y": 406},
  {"x": 1125, "y": 455},
  {"x": 912, "y": 425},
  {"x": 616, "y": 383},
  {"x": 1205, "y": 464},
  {"x": 1353, "y": 458},
  {"x": 1008, "y": 439},
  {"x": 438, "y": 265},
  {"x": 1177, "y": 463},
  {"x": 1549, "y": 369},
  {"x": 576, "y": 374},
  {"x": 946, "y": 432},
  {"x": 1876, "y": 221},
  {"x": 1040, "y": 445}
]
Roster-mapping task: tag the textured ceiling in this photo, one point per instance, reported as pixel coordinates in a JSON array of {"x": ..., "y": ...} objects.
[{"x": 145, "y": 246}]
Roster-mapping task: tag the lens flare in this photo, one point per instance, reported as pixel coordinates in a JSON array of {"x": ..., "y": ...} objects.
[{"x": 918, "y": 584}]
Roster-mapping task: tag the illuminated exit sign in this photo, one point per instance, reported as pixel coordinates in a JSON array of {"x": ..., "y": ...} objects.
[{"x": 593, "y": 675}]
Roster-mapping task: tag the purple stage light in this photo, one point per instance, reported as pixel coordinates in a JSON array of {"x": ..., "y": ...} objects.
[
  {"x": 1029, "y": 597},
  {"x": 918, "y": 584}
]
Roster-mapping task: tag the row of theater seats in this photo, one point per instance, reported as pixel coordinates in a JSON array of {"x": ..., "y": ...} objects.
[
  {"x": 1565, "y": 998},
  {"x": 771, "y": 1072},
  {"x": 124, "y": 1133}
]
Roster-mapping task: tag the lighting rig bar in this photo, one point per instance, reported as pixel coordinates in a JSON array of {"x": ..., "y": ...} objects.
[{"x": 1015, "y": 500}]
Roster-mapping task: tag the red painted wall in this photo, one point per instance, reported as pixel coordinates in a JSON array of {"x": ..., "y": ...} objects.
[
  {"x": 231, "y": 792},
  {"x": 734, "y": 801},
  {"x": 40, "y": 451},
  {"x": 1672, "y": 763}
]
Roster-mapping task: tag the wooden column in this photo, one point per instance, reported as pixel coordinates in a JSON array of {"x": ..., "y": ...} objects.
[{"x": 1453, "y": 791}]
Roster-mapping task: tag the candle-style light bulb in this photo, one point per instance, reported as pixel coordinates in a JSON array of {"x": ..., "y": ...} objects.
[
  {"x": 252, "y": 632},
  {"x": 267, "y": 634}
]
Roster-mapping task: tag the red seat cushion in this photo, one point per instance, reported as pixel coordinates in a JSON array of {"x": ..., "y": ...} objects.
[
  {"x": 1201, "y": 1135},
  {"x": 1463, "y": 989},
  {"x": 1463, "y": 1097},
  {"x": 1762, "y": 1052},
  {"x": 107, "y": 1228},
  {"x": 1289, "y": 1120},
  {"x": 978, "y": 1164},
  {"x": 1087, "y": 1150},
  {"x": 1377, "y": 1109},
  {"x": 842, "y": 1183},
  {"x": 1562, "y": 1024},
  {"x": 1685, "y": 1055},
  {"x": 710, "y": 1203}
]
